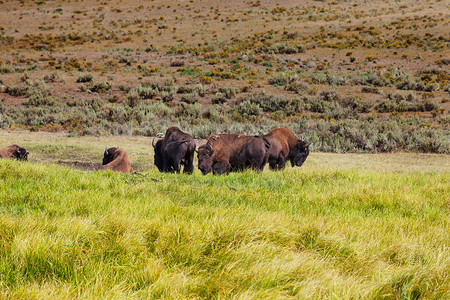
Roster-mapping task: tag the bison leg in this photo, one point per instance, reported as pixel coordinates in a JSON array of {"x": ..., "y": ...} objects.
[
  {"x": 165, "y": 166},
  {"x": 177, "y": 163},
  {"x": 281, "y": 163},
  {"x": 273, "y": 165},
  {"x": 220, "y": 168},
  {"x": 189, "y": 163}
]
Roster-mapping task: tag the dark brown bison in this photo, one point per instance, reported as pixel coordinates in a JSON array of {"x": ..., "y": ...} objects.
[
  {"x": 223, "y": 153},
  {"x": 14, "y": 151},
  {"x": 286, "y": 146},
  {"x": 176, "y": 149},
  {"x": 116, "y": 159}
]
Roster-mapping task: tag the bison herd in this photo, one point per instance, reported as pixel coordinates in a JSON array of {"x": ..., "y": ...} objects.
[{"x": 222, "y": 153}]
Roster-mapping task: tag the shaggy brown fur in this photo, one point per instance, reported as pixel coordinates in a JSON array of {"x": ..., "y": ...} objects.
[
  {"x": 14, "y": 151},
  {"x": 116, "y": 159},
  {"x": 232, "y": 152},
  {"x": 285, "y": 145},
  {"x": 176, "y": 149}
]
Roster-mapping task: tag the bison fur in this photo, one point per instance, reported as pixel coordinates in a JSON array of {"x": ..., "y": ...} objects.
[
  {"x": 14, "y": 151},
  {"x": 116, "y": 159},
  {"x": 286, "y": 146},
  {"x": 176, "y": 149},
  {"x": 232, "y": 152}
]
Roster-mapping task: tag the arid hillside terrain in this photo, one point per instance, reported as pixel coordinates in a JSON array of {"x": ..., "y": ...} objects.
[{"x": 345, "y": 75}]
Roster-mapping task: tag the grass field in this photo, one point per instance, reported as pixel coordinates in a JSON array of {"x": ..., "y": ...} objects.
[
  {"x": 350, "y": 77},
  {"x": 339, "y": 227}
]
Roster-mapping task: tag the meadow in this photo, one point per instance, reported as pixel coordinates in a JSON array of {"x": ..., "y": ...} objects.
[
  {"x": 347, "y": 76},
  {"x": 342, "y": 226},
  {"x": 366, "y": 82}
]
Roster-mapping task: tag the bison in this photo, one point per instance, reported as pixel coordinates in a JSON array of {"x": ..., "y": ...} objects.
[
  {"x": 14, "y": 151},
  {"x": 285, "y": 146},
  {"x": 232, "y": 152},
  {"x": 116, "y": 159},
  {"x": 176, "y": 149}
]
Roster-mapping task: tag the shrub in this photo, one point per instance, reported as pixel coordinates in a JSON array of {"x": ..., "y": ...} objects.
[
  {"x": 245, "y": 111},
  {"x": 176, "y": 62},
  {"x": 219, "y": 98},
  {"x": 85, "y": 78},
  {"x": 283, "y": 79},
  {"x": 144, "y": 92},
  {"x": 190, "y": 113},
  {"x": 270, "y": 103},
  {"x": 166, "y": 85},
  {"x": 101, "y": 87},
  {"x": 216, "y": 114},
  {"x": 283, "y": 48},
  {"x": 53, "y": 77},
  {"x": 189, "y": 98},
  {"x": 37, "y": 89},
  {"x": 402, "y": 103},
  {"x": 39, "y": 101},
  {"x": 229, "y": 92},
  {"x": 185, "y": 89},
  {"x": 329, "y": 95},
  {"x": 297, "y": 86},
  {"x": 371, "y": 78},
  {"x": 370, "y": 89},
  {"x": 357, "y": 104}
]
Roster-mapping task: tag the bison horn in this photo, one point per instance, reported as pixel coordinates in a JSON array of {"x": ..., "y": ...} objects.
[
  {"x": 211, "y": 150},
  {"x": 153, "y": 143},
  {"x": 307, "y": 145},
  {"x": 106, "y": 150}
]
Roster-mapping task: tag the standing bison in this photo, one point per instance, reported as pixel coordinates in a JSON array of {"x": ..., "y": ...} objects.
[
  {"x": 285, "y": 146},
  {"x": 232, "y": 152},
  {"x": 14, "y": 151},
  {"x": 176, "y": 149},
  {"x": 116, "y": 159}
]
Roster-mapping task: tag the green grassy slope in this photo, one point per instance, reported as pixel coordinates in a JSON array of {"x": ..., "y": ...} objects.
[{"x": 309, "y": 233}]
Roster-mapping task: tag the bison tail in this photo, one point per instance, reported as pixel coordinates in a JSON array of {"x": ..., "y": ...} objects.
[{"x": 266, "y": 142}]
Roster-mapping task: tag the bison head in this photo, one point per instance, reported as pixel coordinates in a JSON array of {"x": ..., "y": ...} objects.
[
  {"x": 298, "y": 155},
  {"x": 20, "y": 153},
  {"x": 109, "y": 155},
  {"x": 158, "y": 154},
  {"x": 205, "y": 160}
]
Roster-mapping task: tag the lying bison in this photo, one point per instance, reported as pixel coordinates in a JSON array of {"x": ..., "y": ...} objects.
[
  {"x": 116, "y": 159},
  {"x": 176, "y": 149},
  {"x": 14, "y": 151},
  {"x": 223, "y": 153},
  {"x": 285, "y": 146}
]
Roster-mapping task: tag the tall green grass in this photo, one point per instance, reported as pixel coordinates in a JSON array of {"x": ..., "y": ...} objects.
[{"x": 312, "y": 232}]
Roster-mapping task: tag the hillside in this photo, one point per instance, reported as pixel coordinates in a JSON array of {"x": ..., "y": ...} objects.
[{"x": 348, "y": 76}]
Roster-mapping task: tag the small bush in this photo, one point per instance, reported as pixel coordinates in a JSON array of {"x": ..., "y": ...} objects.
[
  {"x": 191, "y": 113},
  {"x": 39, "y": 101},
  {"x": 189, "y": 98},
  {"x": 245, "y": 111},
  {"x": 185, "y": 89},
  {"x": 219, "y": 98},
  {"x": 370, "y": 89},
  {"x": 53, "y": 77},
  {"x": 37, "y": 89},
  {"x": 85, "y": 78},
  {"x": 297, "y": 86},
  {"x": 177, "y": 63},
  {"x": 101, "y": 87},
  {"x": 229, "y": 92},
  {"x": 283, "y": 79}
]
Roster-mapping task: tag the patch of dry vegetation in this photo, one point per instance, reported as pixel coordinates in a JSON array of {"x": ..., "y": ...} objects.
[{"x": 334, "y": 72}]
